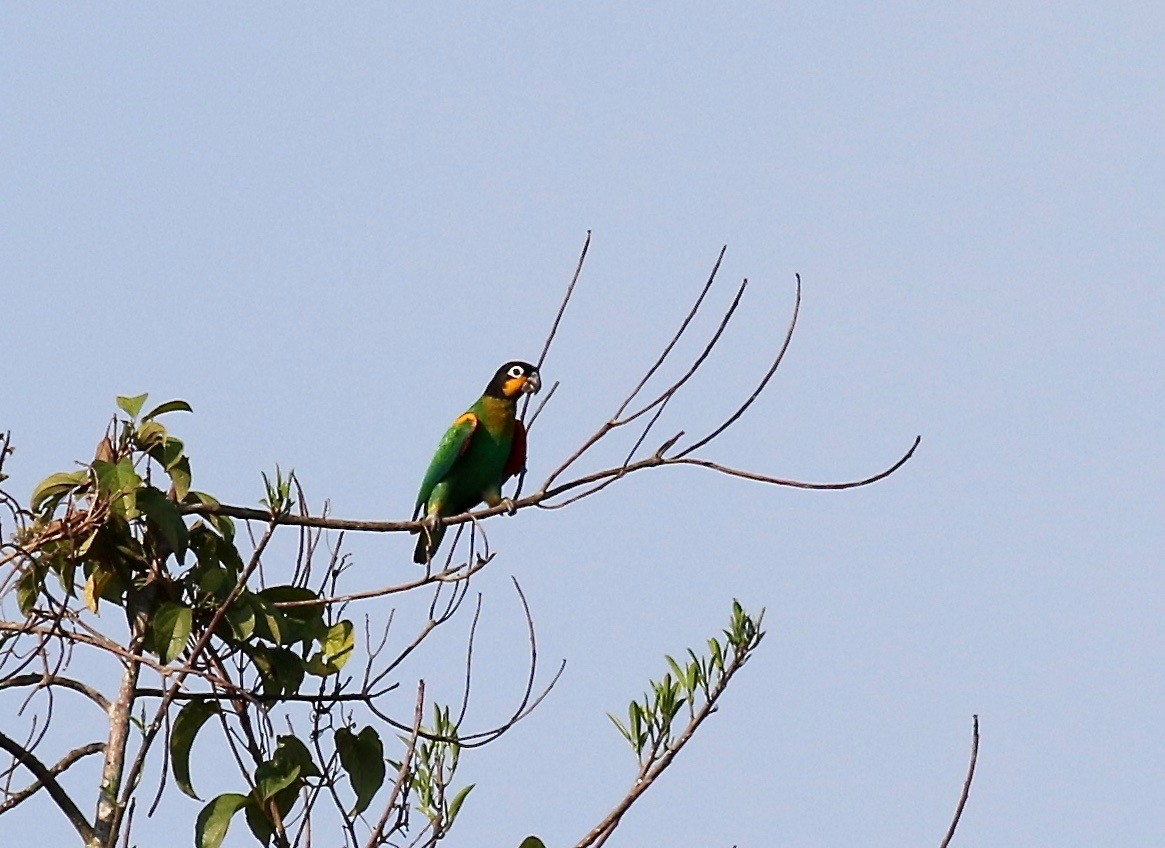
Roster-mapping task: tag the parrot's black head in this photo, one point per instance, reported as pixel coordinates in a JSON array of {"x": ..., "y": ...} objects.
[{"x": 513, "y": 379}]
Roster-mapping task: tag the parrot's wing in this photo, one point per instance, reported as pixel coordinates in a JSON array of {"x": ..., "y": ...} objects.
[
  {"x": 516, "y": 461},
  {"x": 453, "y": 444}
]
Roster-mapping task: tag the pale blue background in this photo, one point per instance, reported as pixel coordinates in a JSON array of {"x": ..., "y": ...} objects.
[{"x": 326, "y": 225}]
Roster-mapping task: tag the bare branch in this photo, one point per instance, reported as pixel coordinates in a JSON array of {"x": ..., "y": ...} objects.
[
  {"x": 966, "y": 782},
  {"x": 537, "y": 499},
  {"x": 582, "y": 258},
  {"x": 402, "y": 775},
  {"x": 761, "y": 386},
  {"x": 61, "y": 765},
  {"x": 48, "y": 779},
  {"x": 40, "y": 680}
]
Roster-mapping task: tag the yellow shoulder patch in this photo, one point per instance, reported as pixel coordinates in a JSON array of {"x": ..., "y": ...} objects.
[{"x": 467, "y": 418}]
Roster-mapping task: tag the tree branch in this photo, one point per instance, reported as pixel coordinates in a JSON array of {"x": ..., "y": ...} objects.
[
  {"x": 45, "y": 776},
  {"x": 62, "y": 764},
  {"x": 536, "y": 499},
  {"x": 602, "y": 831},
  {"x": 966, "y": 782},
  {"x": 56, "y": 680}
]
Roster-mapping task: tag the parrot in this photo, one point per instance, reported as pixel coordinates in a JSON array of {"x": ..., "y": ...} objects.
[{"x": 484, "y": 448}]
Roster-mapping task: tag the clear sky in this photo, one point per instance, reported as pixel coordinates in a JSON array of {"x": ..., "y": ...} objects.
[{"x": 325, "y": 225}]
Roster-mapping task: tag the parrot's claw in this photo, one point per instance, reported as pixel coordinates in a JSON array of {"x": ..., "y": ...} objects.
[
  {"x": 429, "y": 523},
  {"x": 508, "y": 503}
]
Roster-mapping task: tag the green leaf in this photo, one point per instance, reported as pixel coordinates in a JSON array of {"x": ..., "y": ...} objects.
[
  {"x": 339, "y": 644},
  {"x": 222, "y": 523},
  {"x": 149, "y": 435},
  {"x": 240, "y": 617},
  {"x": 118, "y": 484},
  {"x": 28, "y": 589},
  {"x": 180, "y": 476},
  {"x": 163, "y": 512},
  {"x": 458, "y": 800},
  {"x": 259, "y": 821},
  {"x": 99, "y": 580},
  {"x": 622, "y": 729},
  {"x": 291, "y": 749},
  {"x": 532, "y": 842},
  {"x": 274, "y": 775},
  {"x": 131, "y": 406},
  {"x": 215, "y": 818},
  {"x": 286, "y": 672},
  {"x": 303, "y": 623},
  {"x": 168, "y": 406},
  {"x": 186, "y": 726},
  {"x": 56, "y": 486},
  {"x": 171, "y": 630},
  {"x": 362, "y": 757},
  {"x": 717, "y": 655},
  {"x": 286, "y": 593},
  {"x": 270, "y": 623}
]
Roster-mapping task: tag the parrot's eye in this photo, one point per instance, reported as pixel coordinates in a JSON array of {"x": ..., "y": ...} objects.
[{"x": 516, "y": 371}]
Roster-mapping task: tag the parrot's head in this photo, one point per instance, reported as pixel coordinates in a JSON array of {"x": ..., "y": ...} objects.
[{"x": 513, "y": 379}]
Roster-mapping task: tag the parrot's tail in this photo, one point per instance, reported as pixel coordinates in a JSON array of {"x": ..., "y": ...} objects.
[{"x": 427, "y": 545}]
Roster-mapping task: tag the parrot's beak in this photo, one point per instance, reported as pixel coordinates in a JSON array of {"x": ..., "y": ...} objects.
[{"x": 533, "y": 384}]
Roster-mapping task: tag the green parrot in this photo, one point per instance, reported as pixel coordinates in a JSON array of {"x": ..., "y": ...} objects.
[{"x": 483, "y": 449}]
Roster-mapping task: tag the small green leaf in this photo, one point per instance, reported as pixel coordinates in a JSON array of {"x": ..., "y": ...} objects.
[
  {"x": 28, "y": 589},
  {"x": 131, "y": 406},
  {"x": 171, "y": 630},
  {"x": 99, "y": 580},
  {"x": 301, "y": 623},
  {"x": 118, "y": 484},
  {"x": 339, "y": 643},
  {"x": 717, "y": 654},
  {"x": 269, "y": 622},
  {"x": 458, "y": 800},
  {"x": 362, "y": 757},
  {"x": 180, "y": 477},
  {"x": 186, "y": 726},
  {"x": 286, "y": 672},
  {"x": 168, "y": 406},
  {"x": 240, "y": 617},
  {"x": 291, "y": 749},
  {"x": 163, "y": 512},
  {"x": 222, "y": 523},
  {"x": 215, "y": 818},
  {"x": 622, "y": 729},
  {"x": 274, "y": 775},
  {"x": 56, "y": 486},
  {"x": 259, "y": 821}
]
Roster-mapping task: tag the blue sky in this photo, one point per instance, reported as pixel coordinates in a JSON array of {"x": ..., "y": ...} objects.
[{"x": 325, "y": 227}]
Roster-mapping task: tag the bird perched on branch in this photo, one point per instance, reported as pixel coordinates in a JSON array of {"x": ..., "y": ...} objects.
[{"x": 483, "y": 449}]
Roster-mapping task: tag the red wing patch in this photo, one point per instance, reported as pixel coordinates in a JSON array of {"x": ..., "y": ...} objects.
[{"x": 516, "y": 462}]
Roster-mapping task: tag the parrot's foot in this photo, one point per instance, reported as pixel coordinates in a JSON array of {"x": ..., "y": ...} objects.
[
  {"x": 429, "y": 523},
  {"x": 508, "y": 503}
]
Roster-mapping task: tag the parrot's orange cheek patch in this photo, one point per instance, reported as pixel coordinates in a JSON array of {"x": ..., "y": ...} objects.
[{"x": 514, "y": 386}]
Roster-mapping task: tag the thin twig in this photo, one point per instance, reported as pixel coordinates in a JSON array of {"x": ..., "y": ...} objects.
[
  {"x": 966, "y": 782},
  {"x": 402, "y": 774},
  {"x": 56, "y": 680}
]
